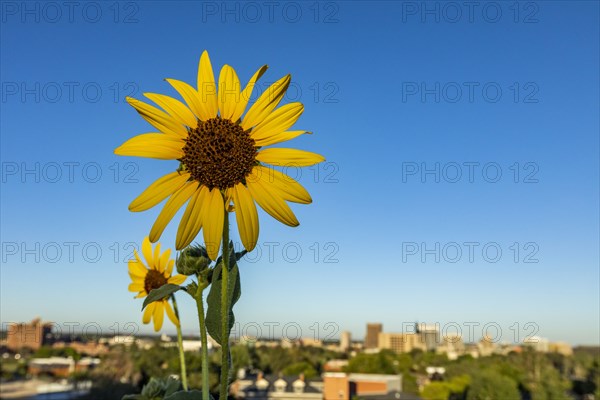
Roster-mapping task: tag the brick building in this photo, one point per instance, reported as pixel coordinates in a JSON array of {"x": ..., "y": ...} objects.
[{"x": 31, "y": 335}]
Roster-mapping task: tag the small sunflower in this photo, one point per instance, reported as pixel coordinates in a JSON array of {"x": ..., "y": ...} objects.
[
  {"x": 221, "y": 156},
  {"x": 154, "y": 274}
]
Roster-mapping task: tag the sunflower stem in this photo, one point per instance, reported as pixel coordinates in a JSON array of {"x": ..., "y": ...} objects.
[
  {"x": 224, "y": 392},
  {"x": 180, "y": 346},
  {"x": 203, "y": 339}
]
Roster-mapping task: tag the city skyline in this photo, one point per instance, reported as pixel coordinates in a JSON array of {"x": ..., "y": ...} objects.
[{"x": 471, "y": 332}]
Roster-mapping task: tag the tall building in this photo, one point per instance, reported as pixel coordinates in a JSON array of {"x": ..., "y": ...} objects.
[
  {"x": 372, "y": 338},
  {"x": 32, "y": 335},
  {"x": 345, "y": 341},
  {"x": 429, "y": 335}
]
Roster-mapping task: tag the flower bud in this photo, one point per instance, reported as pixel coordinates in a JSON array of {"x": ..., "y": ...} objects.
[{"x": 192, "y": 260}]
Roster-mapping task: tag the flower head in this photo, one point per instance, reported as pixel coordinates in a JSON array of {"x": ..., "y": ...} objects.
[
  {"x": 221, "y": 155},
  {"x": 151, "y": 275}
]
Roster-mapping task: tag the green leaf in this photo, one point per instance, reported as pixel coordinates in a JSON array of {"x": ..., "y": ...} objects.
[
  {"x": 233, "y": 258},
  {"x": 157, "y": 388},
  {"x": 171, "y": 386},
  {"x": 183, "y": 395},
  {"x": 160, "y": 293},
  {"x": 234, "y": 291}
]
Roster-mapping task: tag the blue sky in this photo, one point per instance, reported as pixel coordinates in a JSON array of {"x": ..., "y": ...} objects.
[{"x": 461, "y": 183}]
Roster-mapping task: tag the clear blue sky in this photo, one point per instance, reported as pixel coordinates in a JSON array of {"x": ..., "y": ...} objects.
[{"x": 390, "y": 90}]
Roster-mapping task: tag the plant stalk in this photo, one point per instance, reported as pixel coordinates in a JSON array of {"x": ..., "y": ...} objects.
[
  {"x": 204, "y": 340},
  {"x": 224, "y": 392},
  {"x": 180, "y": 346}
]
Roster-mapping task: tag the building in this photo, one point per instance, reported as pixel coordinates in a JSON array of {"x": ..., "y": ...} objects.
[
  {"x": 486, "y": 346},
  {"x": 60, "y": 367},
  {"x": 537, "y": 343},
  {"x": 310, "y": 342},
  {"x": 452, "y": 345},
  {"x": 429, "y": 335},
  {"x": 89, "y": 348},
  {"x": 372, "y": 338},
  {"x": 345, "y": 341},
  {"x": 400, "y": 342},
  {"x": 342, "y": 386},
  {"x": 32, "y": 335},
  {"x": 561, "y": 348},
  {"x": 335, "y": 365},
  {"x": 260, "y": 387}
]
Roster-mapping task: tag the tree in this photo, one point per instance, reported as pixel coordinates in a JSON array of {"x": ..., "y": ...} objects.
[
  {"x": 490, "y": 385},
  {"x": 436, "y": 391},
  {"x": 380, "y": 363},
  {"x": 300, "y": 368}
]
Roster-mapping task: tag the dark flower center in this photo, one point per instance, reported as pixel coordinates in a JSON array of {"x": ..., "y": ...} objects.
[
  {"x": 219, "y": 153},
  {"x": 154, "y": 280}
]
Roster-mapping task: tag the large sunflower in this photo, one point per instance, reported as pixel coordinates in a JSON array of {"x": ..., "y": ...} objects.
[
  {"x": 221, "y": 156},
  {"x": 152, "y": 275}
]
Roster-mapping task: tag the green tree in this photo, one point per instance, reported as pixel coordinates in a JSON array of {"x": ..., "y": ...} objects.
[
  {"x": 380, "y": 363},
  {"x": 298, "y": 368},
  {"x": 490, "y": 385},
  {"x": 436, "y": 391}
]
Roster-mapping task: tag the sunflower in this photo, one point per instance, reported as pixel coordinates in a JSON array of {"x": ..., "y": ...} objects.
[
  {"x": 223, "y": 165},
  {"x": 154, "y": 274}
]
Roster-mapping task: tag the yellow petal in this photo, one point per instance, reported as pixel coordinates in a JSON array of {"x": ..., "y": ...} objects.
[
  {"x": 164, "y": 260},
  {"x": 141, "y": 294},
  {"x": 156, "y": 256},
  {"x": 158, "y": 315},
  {"x": 152, "y": 145},
  {"x": 169, "y": 269},
  {"x": 138, "y": 258},
  {"x": 247, "y": 93},
  {"x": 269, "y": 201},
  {"x": 177, "y": 279},
  {"x": 175, "y": 108},
  {"x": 189, "y": 94},
  {"x": 157, "y": 118},
  {"x": 207, "y": 89},
  {"x": 266, "y": 103},
  {"x": 278, "y": 138},
  {"x": 137, "y": 269},
  {"x": 229, "y": 92},
  {"x": 147, "y": 252},
  {"x": 171, "y": 314},
  {"x": 135, "y": 279},
  {"x": 246, "y": 216},
  {"x": 191, "y": 221},
  {"x": 228, "y": 198},
  {"x": 159, "y": 190},
  {"x": 289, "y": 157},
  {"x": 285, "y": 186},
  {"x": 170, "y": 209},
  {"x": 136, "y": 287},
  {"x": 148, "y": 312},
  {"x": 278, "y": 121},
  {"x": 213, "y": 215}
]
